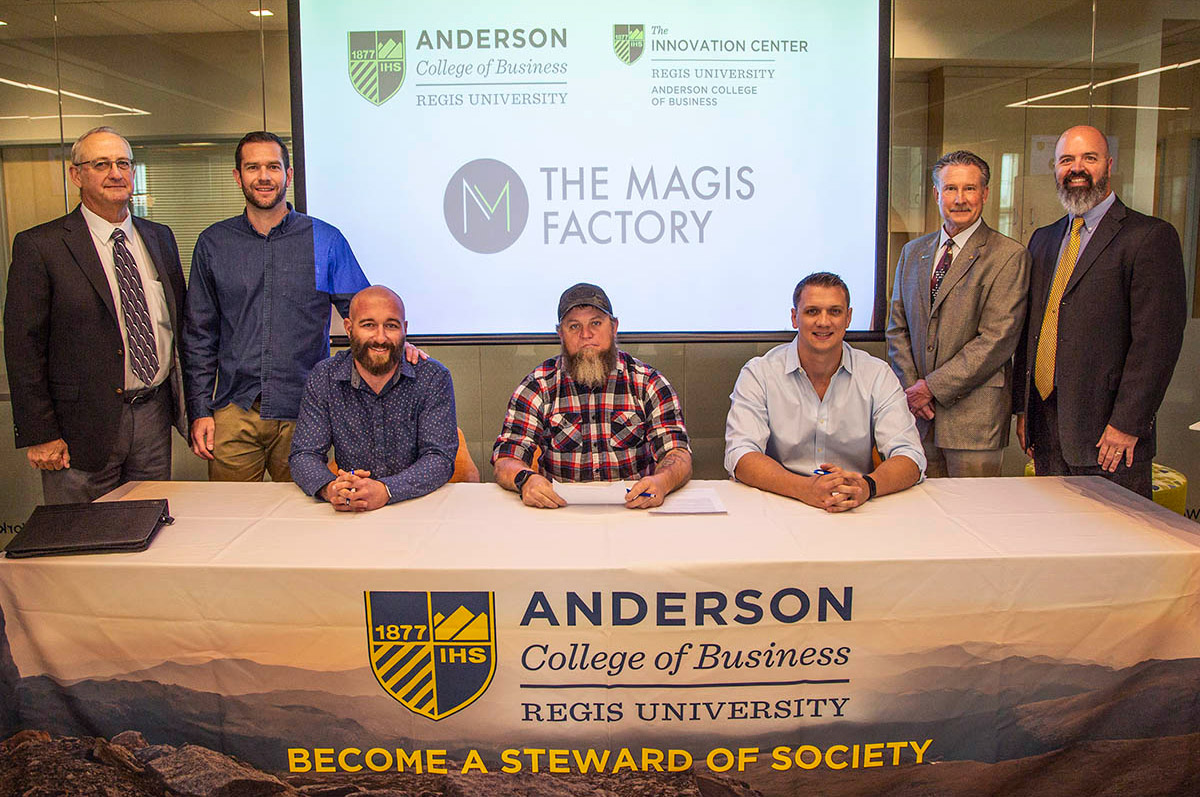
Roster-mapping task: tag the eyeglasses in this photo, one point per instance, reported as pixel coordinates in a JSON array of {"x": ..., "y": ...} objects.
[{"x": 104, "y": 164}]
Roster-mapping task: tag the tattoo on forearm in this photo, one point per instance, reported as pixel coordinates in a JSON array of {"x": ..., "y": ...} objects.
[{"x": 670, "y": 460}]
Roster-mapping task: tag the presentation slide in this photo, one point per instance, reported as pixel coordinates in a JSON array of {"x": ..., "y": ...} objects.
[{"x": 695, "y": 159}]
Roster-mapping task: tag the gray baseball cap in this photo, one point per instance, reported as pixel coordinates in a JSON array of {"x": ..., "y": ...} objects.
[{"x": 583, "y": 293}]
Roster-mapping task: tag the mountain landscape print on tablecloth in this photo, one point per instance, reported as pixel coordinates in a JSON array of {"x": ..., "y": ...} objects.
[{"x": 995, "y": 718}]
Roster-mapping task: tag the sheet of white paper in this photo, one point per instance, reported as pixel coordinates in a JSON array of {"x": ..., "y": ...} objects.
[
  {"x": 583, "y": 493},
  {"x": 696, "y": 501}
]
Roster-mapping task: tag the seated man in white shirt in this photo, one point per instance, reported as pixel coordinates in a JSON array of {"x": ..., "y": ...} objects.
[{"x": 805, "y": 415}]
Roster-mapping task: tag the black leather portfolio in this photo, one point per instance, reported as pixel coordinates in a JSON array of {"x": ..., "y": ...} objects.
[{"x": 107, "y": 527}]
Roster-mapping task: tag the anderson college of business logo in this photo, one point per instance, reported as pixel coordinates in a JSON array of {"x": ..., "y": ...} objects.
[
  {"x": 628, "y": 42},
  {"x": 435, "y": 652},
  {"x": 376, "y": 59},
  {"x": 486, "y": 206}
]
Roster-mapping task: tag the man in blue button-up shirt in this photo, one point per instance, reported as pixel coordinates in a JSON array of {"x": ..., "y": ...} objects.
[
  {"x": 257, "y": 318},
  {"x": 391, "y": 423},
  {"x": 806, "y": 414}
]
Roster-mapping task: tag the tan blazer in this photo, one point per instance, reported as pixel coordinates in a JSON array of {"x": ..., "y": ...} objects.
[{"x": 962, "y": 344}]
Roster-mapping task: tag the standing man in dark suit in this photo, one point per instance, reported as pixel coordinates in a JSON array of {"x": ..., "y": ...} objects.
[
  {"x": 1106, "y": 318},
  {"x": 94, "y": 300},
  {"x": 958, "y": 307}
]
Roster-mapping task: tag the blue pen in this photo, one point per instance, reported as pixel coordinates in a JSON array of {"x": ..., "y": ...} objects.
[
  {"x": 640, "y": 495},
  {"x": 821, "y": 472}
]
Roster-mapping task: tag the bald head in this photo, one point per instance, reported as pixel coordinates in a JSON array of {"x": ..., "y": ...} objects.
[
  {"x": 1086, "y": 136},
  {"x": 378, "y": 298},
  {"x": 377, "y": 328},
  {"x": 1082, "y": 166}
]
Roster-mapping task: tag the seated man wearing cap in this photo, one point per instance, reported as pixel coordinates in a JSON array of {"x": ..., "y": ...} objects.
[
  {"x": 805, "y": 415},
  {"x": 597, "y": 414}
]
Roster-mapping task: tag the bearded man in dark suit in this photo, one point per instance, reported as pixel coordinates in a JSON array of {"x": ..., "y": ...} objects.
[
  {"x": 90, "y": 330},
  {"x": 1107, "y": 310}
]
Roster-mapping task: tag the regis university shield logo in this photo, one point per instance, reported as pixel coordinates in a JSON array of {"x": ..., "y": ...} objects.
[
  {"x": 435, "y": 652},
  {"x": 376, "y": 63},
  {"x": 628, "y": 42}
]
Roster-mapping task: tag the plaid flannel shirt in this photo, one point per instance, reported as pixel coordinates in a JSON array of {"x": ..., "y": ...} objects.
[{"x": 616, "y": 432}]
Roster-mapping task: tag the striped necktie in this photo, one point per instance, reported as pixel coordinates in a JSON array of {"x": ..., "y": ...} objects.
[
  {"x": 139, "y": 332},
  {"x": 1043, "y": 368}
]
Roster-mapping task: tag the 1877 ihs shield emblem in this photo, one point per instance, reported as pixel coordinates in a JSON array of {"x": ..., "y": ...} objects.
[
  {"x": 628, "y": 42},
  {"x": 376, "y": 63},
  {"x": 435, "y": 652}
]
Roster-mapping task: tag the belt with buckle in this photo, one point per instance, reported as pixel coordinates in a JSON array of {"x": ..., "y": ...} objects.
[{"x": 141, "y": 396}]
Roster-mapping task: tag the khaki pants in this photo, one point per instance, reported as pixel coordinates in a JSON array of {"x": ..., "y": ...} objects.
[
  {"x": 245, "y": 446},
  {"x": 959, "y": 463}
]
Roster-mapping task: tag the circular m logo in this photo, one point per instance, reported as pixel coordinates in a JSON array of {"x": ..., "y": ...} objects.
[{"x": 486, "y": 206}]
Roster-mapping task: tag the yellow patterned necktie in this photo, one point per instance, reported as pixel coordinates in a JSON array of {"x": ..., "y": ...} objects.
[{"x": 1043, "y": 369}]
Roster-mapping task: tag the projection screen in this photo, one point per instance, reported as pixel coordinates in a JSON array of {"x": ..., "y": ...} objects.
[{"x": 693, "y": 158}]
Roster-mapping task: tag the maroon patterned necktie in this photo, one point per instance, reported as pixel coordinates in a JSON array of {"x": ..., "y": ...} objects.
[
  {"x": 935, "y": 279},
  {"x": 139, "y": 332}
]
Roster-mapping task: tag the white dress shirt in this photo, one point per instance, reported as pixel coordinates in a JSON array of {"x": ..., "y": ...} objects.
[
  {"x": 960, "y": 240},
  {"x": 156, "y": 297},
  {"x": 775, "y": 411}
]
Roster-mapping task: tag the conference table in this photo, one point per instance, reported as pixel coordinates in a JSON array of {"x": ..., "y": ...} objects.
[{"x": 1035, "y": 634}]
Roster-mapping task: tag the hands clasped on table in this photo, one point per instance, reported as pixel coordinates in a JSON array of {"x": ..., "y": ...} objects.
[
  {"x": 355, "y": 491},
  {"x": 836, "y": 490}
]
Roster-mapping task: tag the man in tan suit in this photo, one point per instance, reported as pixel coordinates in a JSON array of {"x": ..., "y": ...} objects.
[{"x": 958, "y": 306}]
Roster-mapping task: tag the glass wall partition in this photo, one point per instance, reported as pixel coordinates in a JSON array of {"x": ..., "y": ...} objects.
[{"x": 184, "y": 79}]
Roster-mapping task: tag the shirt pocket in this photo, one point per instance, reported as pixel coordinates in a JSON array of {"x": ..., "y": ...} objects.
[
  {"x": 625, "y": 429},
  {"x": 156, "y": 302},
  {"x": 298, "y": 283},
  {"x": 566, "y": 433}
]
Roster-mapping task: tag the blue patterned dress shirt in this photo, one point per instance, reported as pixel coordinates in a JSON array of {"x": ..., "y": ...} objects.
[{"x": 406, "y": 435}]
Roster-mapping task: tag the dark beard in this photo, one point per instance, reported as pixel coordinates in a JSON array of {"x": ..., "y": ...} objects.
[
  {"x": 253, "y": 199},
  {"x": 362, "y": 355},
  {"x": 1078, "y": 201},
  {"x": 591, "y": 368}
]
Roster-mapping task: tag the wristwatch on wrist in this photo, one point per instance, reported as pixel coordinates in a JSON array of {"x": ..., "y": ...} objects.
[
  {"x": 520, "y": 479},
  {"x": 871, "y": 485}
]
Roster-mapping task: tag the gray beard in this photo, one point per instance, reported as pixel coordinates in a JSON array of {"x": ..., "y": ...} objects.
[
  {"x": 591, "y": 368},
  {"x": 1078, "y": 201}
]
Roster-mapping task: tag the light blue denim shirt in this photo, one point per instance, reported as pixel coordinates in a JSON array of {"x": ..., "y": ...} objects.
[{"x": 775, "y": 411}]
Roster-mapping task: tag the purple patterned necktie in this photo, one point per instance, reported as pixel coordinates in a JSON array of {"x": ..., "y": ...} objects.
[
  {"x": 935, "y": 280},
  {"x": 143, "y": 354}
]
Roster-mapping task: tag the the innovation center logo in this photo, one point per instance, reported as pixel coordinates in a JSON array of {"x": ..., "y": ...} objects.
[
  {"x": 628, "y": 42},
  {"x": 376, "y": 60},
  {"x": 435, "y": 652},
  {"x": 486, "y": 206}
]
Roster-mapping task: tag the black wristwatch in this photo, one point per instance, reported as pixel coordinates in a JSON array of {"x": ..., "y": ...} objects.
[
  {"x": 870, "y": 485},
  {"x": 522, "y": 477}
]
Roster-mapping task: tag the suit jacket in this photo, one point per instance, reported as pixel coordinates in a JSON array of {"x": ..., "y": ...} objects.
[
  {"x": 1120, "y": 329},
  {"x": 962, "y": 344},
  {"x": 62, "y": 342}
]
